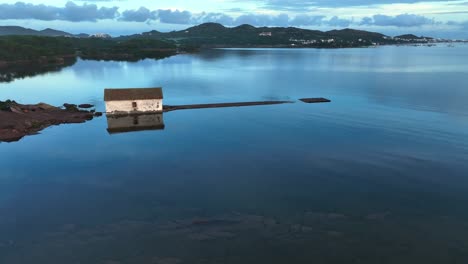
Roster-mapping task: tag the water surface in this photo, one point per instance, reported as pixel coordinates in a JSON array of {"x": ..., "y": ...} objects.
[{"x": 377, "y": 176}]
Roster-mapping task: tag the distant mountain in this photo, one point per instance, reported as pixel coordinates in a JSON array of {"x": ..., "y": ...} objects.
[
  {"x": 48, "y": 32},
  {"x": 54, "y": 33},
  {"x": 360, "y": 34},
  {"x": 212, "y": 35},
  {"x": 216, "y": 35},
  {"x": 82, "y": 35},
  {"x": 14, "y": 30},
  {"x": 411, "y": 37}
]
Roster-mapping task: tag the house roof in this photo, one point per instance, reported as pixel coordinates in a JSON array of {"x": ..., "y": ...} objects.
[{"x": 132, "y": 94}]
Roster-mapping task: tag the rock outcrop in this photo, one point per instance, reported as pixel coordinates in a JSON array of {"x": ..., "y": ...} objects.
[{"x": 18, "y": 120}]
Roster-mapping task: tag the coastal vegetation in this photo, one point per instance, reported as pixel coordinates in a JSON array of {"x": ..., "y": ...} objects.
[
  {"x": 212, "y": 35},
  {"x": 51, "y": 46},
  {"x": 23, "y": 69},
  {"x": 27, "y": 52},
  {"x": 46, "y": 50}
]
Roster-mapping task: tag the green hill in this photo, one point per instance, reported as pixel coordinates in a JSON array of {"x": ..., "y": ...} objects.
[
  {"x": 49, "y": 49},
  {"x": 216, "y": 35},
  {"x": 21, "y": 31}
]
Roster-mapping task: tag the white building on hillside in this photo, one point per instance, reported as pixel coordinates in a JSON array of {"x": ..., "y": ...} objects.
[
  {"x": 265, "y": 34},
  {"x": 101, "y": 35},
  {"x": 135, "y": 100}
]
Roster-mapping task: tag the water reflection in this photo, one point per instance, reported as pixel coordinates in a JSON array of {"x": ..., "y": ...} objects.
[
  {"x": 378, "y": 176},
  {"x": 134, "y": 122},
  {"x": 11, "y": 73}
]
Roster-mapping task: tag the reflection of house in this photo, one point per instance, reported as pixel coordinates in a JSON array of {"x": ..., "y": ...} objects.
[
  {"x": 133, "y": 100},
  {"x": 134, "y": 122}
]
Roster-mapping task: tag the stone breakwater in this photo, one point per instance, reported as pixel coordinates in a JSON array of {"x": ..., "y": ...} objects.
[{"x": 168, "y": 108}]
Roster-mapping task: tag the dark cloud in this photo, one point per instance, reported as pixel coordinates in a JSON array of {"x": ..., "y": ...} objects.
[
  {"x": 22, "y": 10},
  {"x": 86, "y": 12},
  {"x": 338, "y": 22},
  {"x": 403, "y": 20},
  {"x": 307, "y": 20},
  {"x": 463, "y": 25},
  {"x": 71, "y": 12},
  {"x": 140, "y": 15},
  {"x": 174, "y": 17}
]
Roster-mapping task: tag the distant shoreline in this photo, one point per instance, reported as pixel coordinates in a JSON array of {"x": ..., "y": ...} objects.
[
  {"x": 62, "y": 59},
  {"x": 48, "y": 47},
  {"x": 16, "y": 69}
]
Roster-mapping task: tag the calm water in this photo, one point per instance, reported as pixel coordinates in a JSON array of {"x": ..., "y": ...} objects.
[{"x": 377, "y": 176}]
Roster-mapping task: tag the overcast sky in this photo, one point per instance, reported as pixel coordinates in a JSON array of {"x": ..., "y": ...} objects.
[{"x": 117, "y": 17}]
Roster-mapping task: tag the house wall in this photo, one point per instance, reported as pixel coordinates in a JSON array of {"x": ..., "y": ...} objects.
[{"x": 155, "y": 105}]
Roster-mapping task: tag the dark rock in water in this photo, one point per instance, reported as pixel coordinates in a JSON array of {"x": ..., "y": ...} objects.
[
  {"x": 66, "y": 105},
  {"x": 85, "y": 106},
  {"x": 98, "y": 114},
  {"x": 315, "y": 100},
  {"x": 88, "y": 116},
  {"x": 71, "y": 107}
]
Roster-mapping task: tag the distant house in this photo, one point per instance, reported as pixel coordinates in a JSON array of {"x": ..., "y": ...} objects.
[
  {"x": 135, "y": 100},
  {"x": 265, "y": 34},
  {"x": 101, "y": 35}
]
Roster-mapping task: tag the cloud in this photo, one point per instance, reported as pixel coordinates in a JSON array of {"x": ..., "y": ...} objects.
[
  {"x": 22, "y": 10},
  {"x": 463, "y": 24},
  {"x": 212, "y": 17},
  {"x": 338, "y": 22},
  {"x": 304, "y": 4},
  {"x": 307, "y": 20},
  {"x": 174, "y": 17},
  {"x": 140, "y": 15},
  {"x": 86, "y": 12},
  {"x": 71, "y": 12},
  {"x": 289, "y": 5},
  {"x": 263, "y": 20},
  {"x": 91, "y": 12},
  {"x": 403, "y": 20}
]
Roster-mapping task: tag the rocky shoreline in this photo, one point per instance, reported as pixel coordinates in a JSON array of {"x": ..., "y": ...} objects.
[{"x": 20, "y": 120}]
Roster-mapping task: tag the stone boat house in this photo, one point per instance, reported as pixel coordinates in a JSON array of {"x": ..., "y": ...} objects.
[{"x": 134, "y": 100}]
